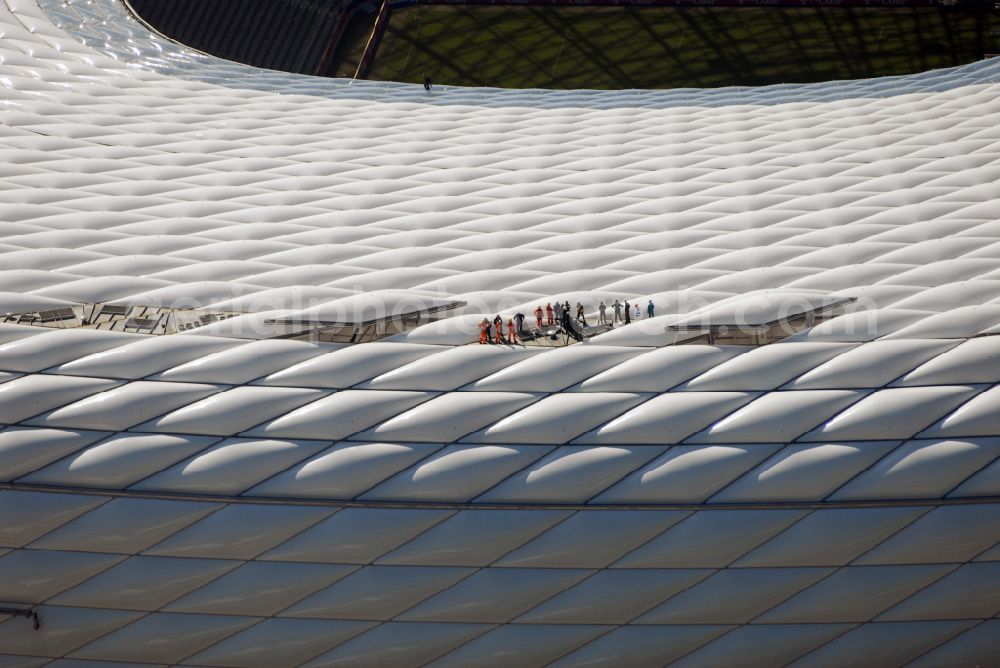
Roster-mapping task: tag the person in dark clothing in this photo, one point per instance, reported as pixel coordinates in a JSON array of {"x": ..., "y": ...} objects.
[
  {"x": 519, "y": 320},
  {"x": 628, "y": 313},
  {"x": 427, "y": 82}
]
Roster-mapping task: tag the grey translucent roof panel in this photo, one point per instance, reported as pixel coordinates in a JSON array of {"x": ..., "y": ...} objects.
[
  {"x": 26, "y": 449},
  {"x": 475, "y": 537},
  {"x": 125, "y": 406},
  {"x": 336, "y": 416},
  {"x": 986, "y": 482},
  {"x": 147, "y": 638},
  {"x": 954, "y": 323},
  {"x": 972, "y": 361},
  {"x": 457, "y": 473},
  {"x": 344, "y": 471},
  {"x": 660, "y": 369},
  {"x": 28, "y": 396},
  {"x": 767, "y": 367},
  {"x": 557, "y": 418},
  {"x": 144, "y": 583},
  {"x": 120, "y": 460},
  {"x": 125, "y": 526},
  {"x": 450, "y": 416},
  {"x": 892, "y": 413},
  {"x": 239, "y": 531},
  {"x": 807, "y": 472},
  {"x": 980, "y": 416},
  {"x": 831, "y": 537},
  {"x": 945, "y": 534},
  {"x": 685, "y": 474},
  {"x": 962, "y": 594},
  {"x": 294, "y": 640},
  {"x": 873, "y": 364},
  {"x": 34, "y": 576},
  {"x": 924, "y": 469},
  {"x": 356, "y": 535},
  {"x": 762, "y": 645},
  {"x": 668, "y": 418},
  {"x": 230, "y": 467},
  {"x": 144, "y": 357},
  {"x": 452, "y": 368},
  {"x": 65, "y": 630},
  {"x": 556, "y": 369},
  {"x": 862, "y": 325},
  {"x": 888, "y": 644},
  {"x": 977, "y": 646},
  {"x": 11, "y": 661},
  {"x": 571, "y": 473},
  {"x": 992, "y": 554},
  {"x": 395, "y": 642},
  {"x": 733, "y": 596},
  {"x": 377, "y": 592},
  {"x": 348, "y": 366},
  {"x": 635, "y": 592},
  {"x": 494, "y": 595},
  {"x": 527, "y": 644},
  {"x": 28, "y": 515},
  {"x": 241, "y": 364},
  {"x": 710, "y": 539},
  {"x": 778, "y": 417},
  {"x": 232, "y": 411},
  {"x": 855, "y": 594},
  {"x": 642, "y": 645},
  {"x": 259, "y": 588},
  {"x": 592, "y": 538}
]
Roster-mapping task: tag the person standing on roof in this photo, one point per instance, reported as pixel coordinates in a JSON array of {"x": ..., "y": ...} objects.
[
  {"x": 498, "y": 324},
  {"x": 549, "y": 315},
  {"x": 649, "y": 309},
  {"x": 603, "y": 318},
  {"x": 511, "y": 332},
  {"x": 638, "y": 312},
  {"x": 484, "y": 331},
  {"x": 538, "y": 316},
  {"x": 617, "y": 307},
  {"x": 519, "y": 319},
  {"x": 628, "y": 311}
]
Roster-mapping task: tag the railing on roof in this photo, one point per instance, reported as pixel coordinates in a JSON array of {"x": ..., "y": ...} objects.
[
  {"x": 118, "y": 318},
  {"x": 759, "y": 333},
  {"x": 360, "y": 330}
]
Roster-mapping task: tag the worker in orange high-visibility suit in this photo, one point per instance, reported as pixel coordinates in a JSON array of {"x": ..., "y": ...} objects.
[
  {"x": 484, "y": 329},
  {"x": 538, "y": 316},
  {"x": 549, "y": 318},
  {"x": 498, "y": 325},
  {"x": 511, "y": 332}
]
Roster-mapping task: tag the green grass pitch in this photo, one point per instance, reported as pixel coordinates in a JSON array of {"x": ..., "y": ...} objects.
[{"x": 605, "y": 47}]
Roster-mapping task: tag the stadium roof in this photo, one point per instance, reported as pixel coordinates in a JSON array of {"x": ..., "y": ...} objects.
[{"x": 217, "y": 498}]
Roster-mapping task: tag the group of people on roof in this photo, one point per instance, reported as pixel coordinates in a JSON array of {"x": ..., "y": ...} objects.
[{"x": 549, "y": 316}]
